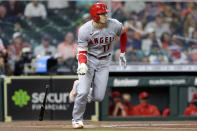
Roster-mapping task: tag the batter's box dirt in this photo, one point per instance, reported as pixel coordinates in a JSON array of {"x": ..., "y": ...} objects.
[{"x": 100, "y": 126}]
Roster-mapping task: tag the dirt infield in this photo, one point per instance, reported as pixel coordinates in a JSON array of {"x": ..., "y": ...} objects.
[{"x": 101, "y": 126}]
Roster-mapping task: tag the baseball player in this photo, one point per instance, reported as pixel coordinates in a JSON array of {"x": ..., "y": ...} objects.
[{"x": 94, "y": 49}]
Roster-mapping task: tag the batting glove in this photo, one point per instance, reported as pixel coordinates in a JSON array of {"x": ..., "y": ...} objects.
[
  {"x": 82, "y": 69},
  {"x": 122, "y": 60}
]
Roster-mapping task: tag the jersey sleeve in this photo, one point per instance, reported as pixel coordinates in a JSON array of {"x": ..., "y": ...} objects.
[
  {"x": 82, "y": 45},
  {"x": 120, "y": 32},
  {"x": 119, "y": 27},
  {"x": 82, "y": 37}
]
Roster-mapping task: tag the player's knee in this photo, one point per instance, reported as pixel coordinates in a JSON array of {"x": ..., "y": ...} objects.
[
  {"x": 83, "y": 94},
  {"x": 98, "y": 98}
]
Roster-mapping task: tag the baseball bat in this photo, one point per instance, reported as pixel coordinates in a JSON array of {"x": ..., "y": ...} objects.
[{"x": 42, "y": 109}]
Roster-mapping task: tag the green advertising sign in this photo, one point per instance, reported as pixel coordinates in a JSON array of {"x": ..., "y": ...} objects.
[{"x": 20, "y": 98}]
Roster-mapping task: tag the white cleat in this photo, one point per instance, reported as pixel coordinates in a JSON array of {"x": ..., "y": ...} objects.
[
  {"x": 73, "y": 92},
  {"x": 77, "y": 124}
]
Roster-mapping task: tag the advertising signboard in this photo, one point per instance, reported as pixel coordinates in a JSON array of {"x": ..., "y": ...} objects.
[{"x": 25, "y": 97}]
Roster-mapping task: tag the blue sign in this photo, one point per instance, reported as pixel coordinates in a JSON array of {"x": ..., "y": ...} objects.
[{"x": 41, "y": 64}]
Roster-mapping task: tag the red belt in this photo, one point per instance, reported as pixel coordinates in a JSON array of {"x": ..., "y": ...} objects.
[{"x": 102, "y": 57}]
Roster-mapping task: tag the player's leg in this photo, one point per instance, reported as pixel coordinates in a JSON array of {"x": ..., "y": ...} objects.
[
  {"x": 100, "y": 83},
  {"x": 73, "y": 92},
  {"x": 82, "y": 93}
]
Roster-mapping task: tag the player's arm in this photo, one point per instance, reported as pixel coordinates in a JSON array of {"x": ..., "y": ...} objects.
[
  {"x": 82, "y": 52},
  {"x": 82, "y": 59},
  {"x": 123, "y": 43}
]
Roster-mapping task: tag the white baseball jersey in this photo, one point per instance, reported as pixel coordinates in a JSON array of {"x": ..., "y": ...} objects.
[{"x": 98, "y": 41}]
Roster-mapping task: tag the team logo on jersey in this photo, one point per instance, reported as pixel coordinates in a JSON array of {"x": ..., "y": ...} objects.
[{"x": 101, "y": 40}]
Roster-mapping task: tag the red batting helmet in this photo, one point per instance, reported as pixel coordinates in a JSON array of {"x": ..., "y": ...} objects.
[{"x": 97, "y": 8}]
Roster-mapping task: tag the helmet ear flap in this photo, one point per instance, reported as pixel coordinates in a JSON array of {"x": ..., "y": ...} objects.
[{"x": 97, "y": 17}]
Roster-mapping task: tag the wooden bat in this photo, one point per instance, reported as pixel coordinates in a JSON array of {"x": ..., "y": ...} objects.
[{"x": 42, "y": 110}]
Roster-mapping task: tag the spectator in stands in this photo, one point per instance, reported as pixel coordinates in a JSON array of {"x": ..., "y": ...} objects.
[
  {"x": 144, "y": 59},
  {"x": 136, "y": 6},
  {"x": 82, "y": 6},
  {"x": 177, "y": 8},
  {"x": 116, "y": 108},
  {"x": 189, "y": 25},
  {"x": 158, "y": 55},
  {"x": 148, "y": 13},
  {"x": 57, "y": 4},
  {"x": 166, "y": 40},
  {"x": 195, "y": 14},
  {"x": 126, "y": 102},
  {"x": 8, "y": 15},
  {"x": 192, "y": 109},
  {"x": 3, "y": 12},
  {"x": 35, "y": 9},
  {"x": 192, "y": 47},
  {"x": 145, "y": 108},
  {"x": 158, "y": 25},
  {"x": 189, "y": 9},
  {"x": 68, "y": 48},
  {"x": 45, "y": 49},
  {"x": 168, "y": 12},
  {"x": 166, "y": 112},
  {"x": 5, "y": 68},
  {"x": 175, "y": 25},
  {"x": 15, "y": 48},
  {"x": 4, "y": 19},
  {"x": 147, "y": 43},
  {"x": 14, "y": 8},
  {"x": 177, "y": 52}
]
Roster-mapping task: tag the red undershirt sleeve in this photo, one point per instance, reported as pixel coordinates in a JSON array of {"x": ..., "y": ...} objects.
[
  {"x": 82, "y": 58},
  {"x": 123, "y": 41}
]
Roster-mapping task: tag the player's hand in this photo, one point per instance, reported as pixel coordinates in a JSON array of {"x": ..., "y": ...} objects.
[
  {"x": 122, "y": 60},
  {"x": 82, "y": 69}
]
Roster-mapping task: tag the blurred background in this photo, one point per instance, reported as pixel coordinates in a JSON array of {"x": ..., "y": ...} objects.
[{"x": 38, "y": 44}]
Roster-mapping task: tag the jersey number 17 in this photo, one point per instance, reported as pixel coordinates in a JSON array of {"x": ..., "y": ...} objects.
[{"x": 106, "y": 47}]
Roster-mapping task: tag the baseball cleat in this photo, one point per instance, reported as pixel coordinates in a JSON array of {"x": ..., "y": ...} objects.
[
  {"x": 77, "y": 124},
  {"x": 73, "y": 92}
]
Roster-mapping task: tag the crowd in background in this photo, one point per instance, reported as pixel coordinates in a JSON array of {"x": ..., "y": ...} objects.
[
  {"x": 121, "y": 105},
  {"x": 158, "y": 32}
]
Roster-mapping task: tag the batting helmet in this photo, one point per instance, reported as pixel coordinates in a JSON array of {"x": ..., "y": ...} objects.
[{"x": 97, "y": 8}]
